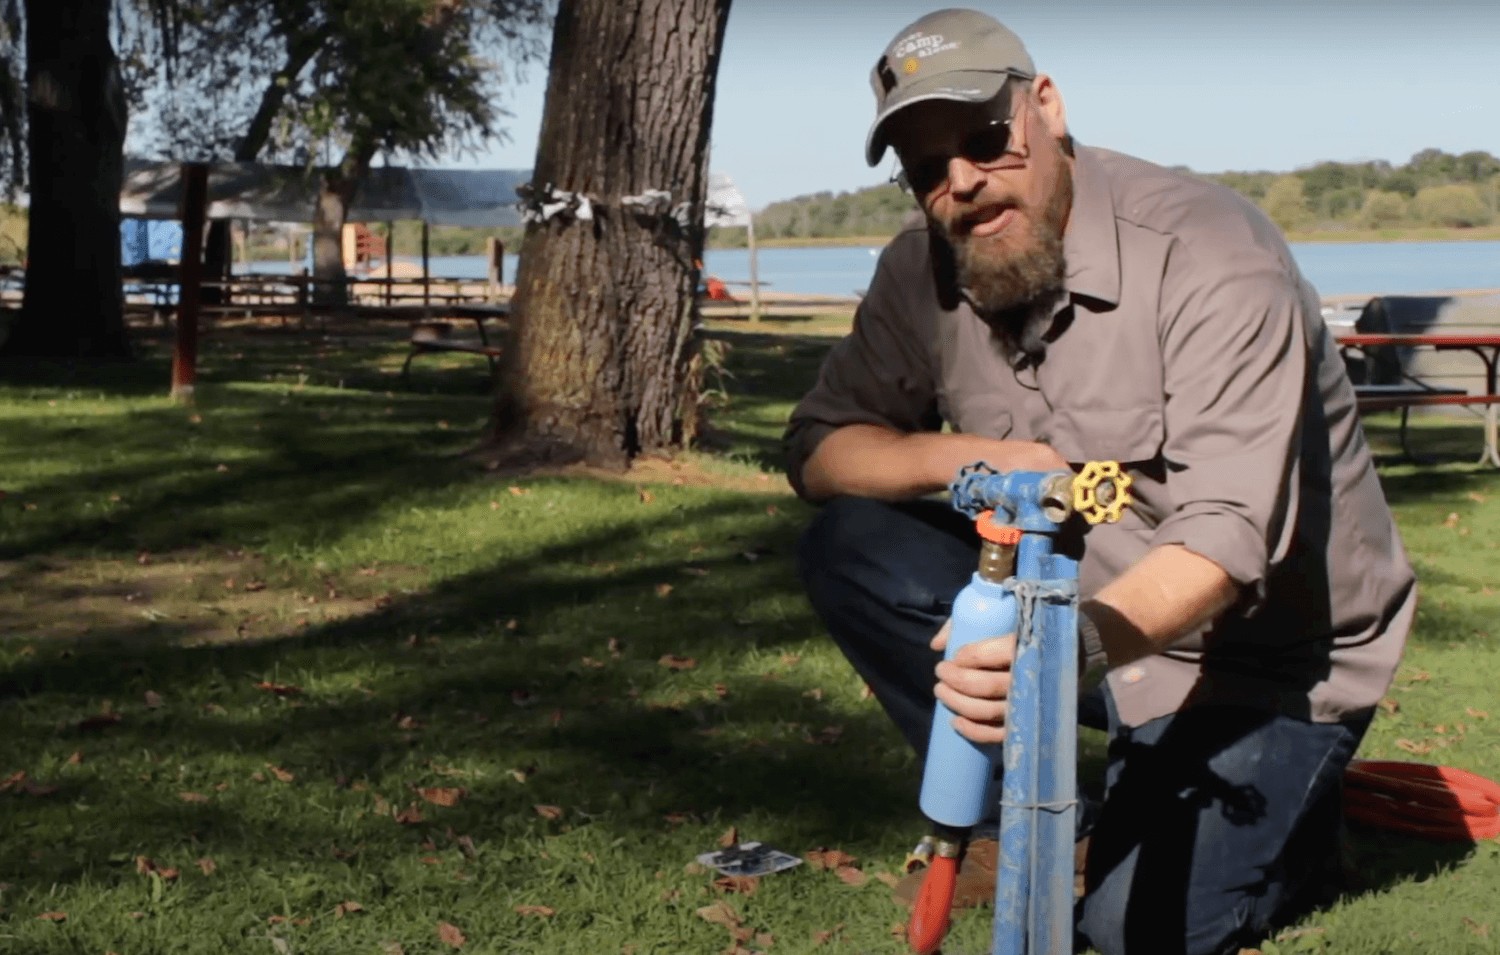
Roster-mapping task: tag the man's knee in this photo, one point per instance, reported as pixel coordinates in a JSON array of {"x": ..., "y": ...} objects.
[{"x": 842, "y": 528}]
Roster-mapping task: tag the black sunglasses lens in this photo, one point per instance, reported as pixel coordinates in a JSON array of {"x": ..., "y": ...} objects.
[
  {"x": 988, "y": 143},
  {"x": 927, "y": 175}
]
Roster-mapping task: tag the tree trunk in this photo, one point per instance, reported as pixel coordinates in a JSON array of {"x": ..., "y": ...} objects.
[
  {"x": 300, "y": 50},
  {"x": 74, "y": 303},
  {"x": 335, "y": 195},
  {"x": 600, "y": 361}
]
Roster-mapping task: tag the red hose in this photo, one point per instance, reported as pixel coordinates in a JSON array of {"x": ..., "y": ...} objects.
[
  {"x": 929, "y": 916},
  {"x": 1438, "y": 802}
]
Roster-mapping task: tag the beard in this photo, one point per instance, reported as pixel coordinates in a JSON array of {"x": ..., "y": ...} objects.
[{"x": 1013, "y": 291}]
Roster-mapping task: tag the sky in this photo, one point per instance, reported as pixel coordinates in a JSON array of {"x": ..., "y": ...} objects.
[{"x": 1208, "y": 84}]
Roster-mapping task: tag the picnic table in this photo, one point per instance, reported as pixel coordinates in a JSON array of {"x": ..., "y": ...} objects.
[{"x": 1414, "y": 392}]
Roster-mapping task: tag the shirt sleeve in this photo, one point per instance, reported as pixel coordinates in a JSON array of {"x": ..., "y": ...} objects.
[
  {"x": 880, "y": 373},
  {"x": 1235, "y": 365}
]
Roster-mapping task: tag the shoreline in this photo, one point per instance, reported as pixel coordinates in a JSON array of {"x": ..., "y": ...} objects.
[{"x": 1312, "y": 237}]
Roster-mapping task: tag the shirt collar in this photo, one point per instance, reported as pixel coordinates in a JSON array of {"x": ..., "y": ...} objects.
[{"x": 1091, "y": 243}]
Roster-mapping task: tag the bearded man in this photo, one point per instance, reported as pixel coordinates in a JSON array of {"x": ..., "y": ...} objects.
[{"x": 1055, "y": 304}]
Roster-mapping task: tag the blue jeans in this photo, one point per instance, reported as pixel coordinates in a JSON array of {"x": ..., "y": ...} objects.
[{"x": 1213, "y": 819}]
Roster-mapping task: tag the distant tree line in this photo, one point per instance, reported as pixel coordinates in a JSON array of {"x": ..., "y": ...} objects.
[{"x": 1434, "y": 189}]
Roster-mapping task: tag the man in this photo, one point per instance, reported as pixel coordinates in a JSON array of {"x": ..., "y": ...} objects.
[{"x": 1056, "y": 304}]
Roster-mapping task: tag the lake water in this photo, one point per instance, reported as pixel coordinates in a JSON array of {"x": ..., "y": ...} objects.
[{"x": 1335, "y": 268}]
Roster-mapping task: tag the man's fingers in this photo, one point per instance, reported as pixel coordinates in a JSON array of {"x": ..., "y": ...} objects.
[
  {"x": 939, "y": 640},
  {"x": 996, "y": 653},
  {"x": 981, "y": 733},
  {"x": 981, "y": 684},
  {"x": 979, "y": 709}
]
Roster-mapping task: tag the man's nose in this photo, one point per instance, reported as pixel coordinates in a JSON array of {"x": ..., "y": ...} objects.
[{"x": 964, "y": 178}]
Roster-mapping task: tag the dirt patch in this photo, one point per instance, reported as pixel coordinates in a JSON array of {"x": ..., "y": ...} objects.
[{"x": 187, "y": 599}]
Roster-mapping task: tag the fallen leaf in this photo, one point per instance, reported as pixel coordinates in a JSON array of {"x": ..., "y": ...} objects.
[
  {"x": 1416, "y": 749},
  {"x": 53, "y": 916},
  {"x": 720, "y": 913},
  {"x": 829, "y": 858},
  {"x": 765, "y": 939},
  {"x": 153, "y": 700},
  {"x": 466, "y": 846},
  {"x": 279, "y": 689},
  {"x": 693, "y": 571},
  {"x": 346, "y": 908},
  {"x": 442, "y": 796},
  {"x": 207, "y": 866},
  {"x": 280, "y": 774},
  {"x": 646, "y": 496},
  {"x": 549, "y": 812},
  {"x": 77, "y": 756},
  {"x": 1451, "y": 520},
  {"x": 1476, "y": 714},
  {"x": 392, "y": 948},
  {"x": 147, "y": 866},
  {"x": 192, "y": 797},
  {"x": 889, "y": 878},
  {"x": 544, "y": 911},
  {"x": 409, "y": 816},
  {"x": 850, "y": 875},
  {"x": 1481, "y": 929},
  {"x": 730, "y": 837},
  {"x": 663, "y": 590},
  {"x": 451, "y": 935},
  {"x": 673, "y": 662},
  {"x": 521, "y": 775},
  {"x": 518, "y": 491},
  {"x": 1390, "y": 705},
  {"x": 820, "y": 938},
  {"x": 737, "y": 884}
]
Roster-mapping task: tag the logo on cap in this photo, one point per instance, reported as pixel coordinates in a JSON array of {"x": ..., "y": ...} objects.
[{"x": 910, "y": 66}]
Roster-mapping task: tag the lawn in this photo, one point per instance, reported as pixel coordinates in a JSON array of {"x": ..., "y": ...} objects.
[{"x": 289, "y": 672}]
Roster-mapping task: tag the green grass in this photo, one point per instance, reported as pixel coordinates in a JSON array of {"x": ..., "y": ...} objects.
[{"x": 633, "y": 651}]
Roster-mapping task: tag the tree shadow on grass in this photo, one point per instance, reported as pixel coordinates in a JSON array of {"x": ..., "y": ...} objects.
[{"x": 577, "y": 692}]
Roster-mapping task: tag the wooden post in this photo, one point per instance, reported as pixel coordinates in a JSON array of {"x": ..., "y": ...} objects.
[
  {"x": 494, "y": 254},
  {"x": 390, "y": 262},
  {"x": 189, "y": 280},
  {"x": 754, "y": 273},
  {"x": 426, "y": 272}
]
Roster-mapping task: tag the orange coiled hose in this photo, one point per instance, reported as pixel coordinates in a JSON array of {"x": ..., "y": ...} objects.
[
  {"x": 929, "y": 916},
  {"x": 1438, "y": 802}
]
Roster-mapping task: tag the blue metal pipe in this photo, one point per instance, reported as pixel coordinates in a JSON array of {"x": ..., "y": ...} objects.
[{"x": 1034, "y": 884}]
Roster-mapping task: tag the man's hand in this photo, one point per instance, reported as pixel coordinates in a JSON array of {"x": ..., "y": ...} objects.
[{"x": 975, "y": 684}]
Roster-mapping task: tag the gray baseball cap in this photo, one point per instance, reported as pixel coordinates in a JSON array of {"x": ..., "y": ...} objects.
[{"x": 960, "y": 55}]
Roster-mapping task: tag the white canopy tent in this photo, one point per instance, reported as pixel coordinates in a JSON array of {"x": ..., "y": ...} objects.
[
  {"x": 727, "y": 208},
  {"x": 483, "y": 198}
]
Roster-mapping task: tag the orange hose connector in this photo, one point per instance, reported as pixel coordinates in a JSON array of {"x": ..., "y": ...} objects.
[{"x": 929, "y": 916}]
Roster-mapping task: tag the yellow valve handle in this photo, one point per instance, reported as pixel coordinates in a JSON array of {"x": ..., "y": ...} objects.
[{"x": 1101, "y": 492}]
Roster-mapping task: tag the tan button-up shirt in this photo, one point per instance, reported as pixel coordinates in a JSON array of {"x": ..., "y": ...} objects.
[{"x": 1192, "y": 351}]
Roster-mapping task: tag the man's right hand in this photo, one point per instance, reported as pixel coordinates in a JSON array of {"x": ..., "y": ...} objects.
[{"x": 867, "y": 460}]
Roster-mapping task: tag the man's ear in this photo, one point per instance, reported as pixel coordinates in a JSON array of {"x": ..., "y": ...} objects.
[{"x": 1050, "y": 105}]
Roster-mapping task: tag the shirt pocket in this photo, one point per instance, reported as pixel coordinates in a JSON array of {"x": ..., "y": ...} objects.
[{"x": 1131, "y": 436}]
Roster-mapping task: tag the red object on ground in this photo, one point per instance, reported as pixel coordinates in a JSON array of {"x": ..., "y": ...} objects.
[
  {"x": 716, "y": 289},
  {"x": 929, "y": 916},
  {"x": 1438, "y": 802}
]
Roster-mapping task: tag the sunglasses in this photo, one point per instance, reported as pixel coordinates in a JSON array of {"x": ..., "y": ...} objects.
[{"x": 983, "y": 147}]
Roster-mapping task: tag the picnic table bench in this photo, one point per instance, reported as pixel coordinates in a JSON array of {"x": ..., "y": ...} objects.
[
  {"x": 1414, "y": 392},
  {"x": 435, "y": 334}
]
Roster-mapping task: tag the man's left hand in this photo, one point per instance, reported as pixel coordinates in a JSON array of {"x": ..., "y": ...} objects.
[{"x": 975, "y": 685}]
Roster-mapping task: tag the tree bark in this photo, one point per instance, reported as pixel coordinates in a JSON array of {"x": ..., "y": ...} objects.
[
  {"x": 600, "y": 361},
  {"x": 335, "y": 195},
  {"x": 74, "y": 301}
]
